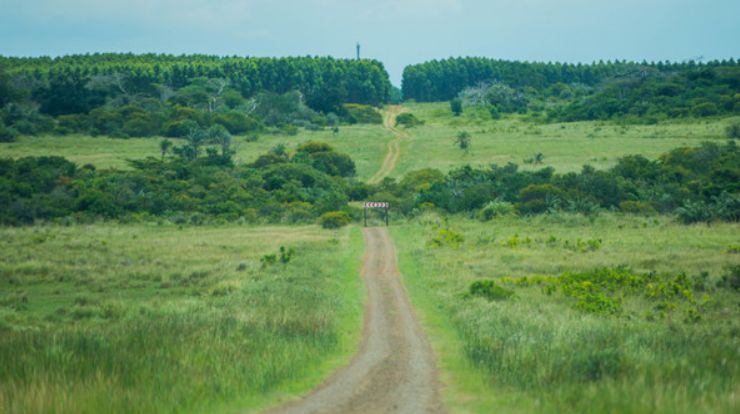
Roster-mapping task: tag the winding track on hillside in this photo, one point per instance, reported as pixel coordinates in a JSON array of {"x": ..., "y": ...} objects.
[
  {"x": 394, "y": 147},
  {"x": 394, "y": 370}
]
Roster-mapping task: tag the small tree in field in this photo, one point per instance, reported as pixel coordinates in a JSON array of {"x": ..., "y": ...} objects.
[
  {"x": 463, "y": 141},
  {"x": 164, "y": 147},
  {"x": 456, "y": 106}
]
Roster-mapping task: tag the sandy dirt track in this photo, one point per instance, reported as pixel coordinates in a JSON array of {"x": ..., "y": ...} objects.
[
  {"x": 394, "y": 147},
  {"x": 394, "y": 370}
]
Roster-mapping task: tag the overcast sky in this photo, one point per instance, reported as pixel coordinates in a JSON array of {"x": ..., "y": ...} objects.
[{"x": 397, "y": 32}]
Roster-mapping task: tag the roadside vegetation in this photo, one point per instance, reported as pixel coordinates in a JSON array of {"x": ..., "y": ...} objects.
[
  {"x": 147, "y": 318},
  {"x": 559, "y": 313}
]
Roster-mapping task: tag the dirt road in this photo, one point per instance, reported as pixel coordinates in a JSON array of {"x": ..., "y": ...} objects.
[
  {"x": 394, "y": 371},
  {"x": 394, "y": 147}
]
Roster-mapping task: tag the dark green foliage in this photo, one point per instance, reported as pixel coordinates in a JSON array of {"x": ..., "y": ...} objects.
[
  {"x": 283, "y": 256},
  {"x": 7, "y": 134},
  {"x": 634, "y": 92},
  {"x": 323, "y": 157},
  {"x": 334, "y": 219},
  {"x": 733, "y": 130},
  {"x": 408, "y": 120},
  {"x": 696, "y": 183},
  {"x": 236, "y": 122},
  {"x": 189, "y": 187},
  {"x": 456, "y": 106},
  {"x": 126, "y": 95},
  {"x": 488, "y": 289},
  {"x": 360, "y": 114}
]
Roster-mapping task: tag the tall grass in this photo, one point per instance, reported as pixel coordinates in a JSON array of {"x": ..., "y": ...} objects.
[
  {"x": 537, "y": 353},
  {"x": 167, "y": 320}
]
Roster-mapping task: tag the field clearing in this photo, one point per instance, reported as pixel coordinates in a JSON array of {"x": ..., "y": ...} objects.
[
  {"x": 366, "y": 144},
  {"x": 148, "y": 318},
  {"x": 566, "y": 146},
  {"x": 535, "y": 352}
]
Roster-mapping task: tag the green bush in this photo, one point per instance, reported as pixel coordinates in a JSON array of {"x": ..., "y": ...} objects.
[
  {"x": 361, "y": 114},
  {"x": 334, "y": 219},
  {"x": 496, "y": 209},
  {"x": 733, "y": 130},
  {"x": 488, "y": 289},
  {"x": 456, "y": 106},
  {"x": 408, "y": 120},
  {"x": 8, "y": 134},
  {"x": 447, "y": 237},
  {"x": 236, "y": 123}
]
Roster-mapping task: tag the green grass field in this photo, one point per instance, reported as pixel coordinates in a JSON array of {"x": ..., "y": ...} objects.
[
  {"x": 366, "y": 143},
  {"x": 566, "y": 147},
  {"x": 536, "y": 353},
  {"x": 146, "y": 318}
]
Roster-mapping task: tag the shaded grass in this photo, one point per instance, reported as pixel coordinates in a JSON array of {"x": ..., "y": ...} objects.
[
  {"x": 156, "y": 319},
  {"x": 536, "y": 353}
]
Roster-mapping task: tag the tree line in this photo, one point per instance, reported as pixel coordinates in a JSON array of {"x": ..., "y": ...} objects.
[
  {"x": 569, "y": 92},
  {"x": 151, "y": 94},
  {"x": 695, "y": 183},
  {"x": 198, "y": 181}
]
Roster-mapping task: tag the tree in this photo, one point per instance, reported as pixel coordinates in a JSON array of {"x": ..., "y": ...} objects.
[
  {"x": 218, "y": 135},
  {"x": 456, "y": 106},
  {"x": 463, "y": 141},
  {"x": 164, "y": 147}
]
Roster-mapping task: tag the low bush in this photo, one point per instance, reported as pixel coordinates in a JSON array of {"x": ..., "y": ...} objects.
[
  {"x": 334, "y": 219},
  {"x": 361, "y": 114},
  {"x": 408, "y": 120},
  {"x": 447, "y": 238},
  {"x": 488, "y": 289}
]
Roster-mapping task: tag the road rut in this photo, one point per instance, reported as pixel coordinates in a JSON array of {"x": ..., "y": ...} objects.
[
  {"x": 394, "y": 370},
  {"x": 394, "y": 146}
]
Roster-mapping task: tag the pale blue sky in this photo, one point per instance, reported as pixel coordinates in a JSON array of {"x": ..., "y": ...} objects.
[{"x": 397, "y": 32}]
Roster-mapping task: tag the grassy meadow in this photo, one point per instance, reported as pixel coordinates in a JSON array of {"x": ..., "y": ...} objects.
[
  {"x": 366, "y": 143},
  {"x": 147, "y": 318},
  {"x": 565, "y": 146},
  {"x": 536, "y": 352}
]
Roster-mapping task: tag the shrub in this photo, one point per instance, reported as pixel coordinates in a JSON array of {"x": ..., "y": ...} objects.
[
  {"x": 408, "y": 120},
  {"x": 488, "y": 289},
  {"x": 496, "y": 209},
  {"x": 456, "y": 106},
  {"x": 361, "y": 114},
  {"x": 177, "y": 129},
  {"x": 334, "y": 219},
  {"x": 733, "y": 130},
  {"x": 236, "y": 123},
  {"x": 731, "y": 279},
  {"x": 7, "y": 134},
  {"x": 493, "y": 110},
  {"x": 539, "y": 198},
  {"x": 447, "y": 237}
]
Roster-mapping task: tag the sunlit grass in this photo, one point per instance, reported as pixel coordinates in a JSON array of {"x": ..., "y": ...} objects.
[
  {"x": 147, "y": 318},
  {"x": 535, "y": 352}
]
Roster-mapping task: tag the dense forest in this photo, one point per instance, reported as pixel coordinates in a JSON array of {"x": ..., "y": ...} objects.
[
  {"x": 642, "y": 92},
  {"x": 192, "y": 185},
  {"x": 144, "y": 95}
]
